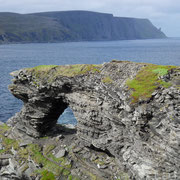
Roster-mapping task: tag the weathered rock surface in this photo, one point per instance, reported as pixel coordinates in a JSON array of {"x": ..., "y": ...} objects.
[
  {"x": 55, "y": 158},
  {"x": 143, "y": 136}
]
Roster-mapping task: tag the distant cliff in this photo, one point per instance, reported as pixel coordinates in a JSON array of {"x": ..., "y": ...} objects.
[{"x": 73, "y": 26}]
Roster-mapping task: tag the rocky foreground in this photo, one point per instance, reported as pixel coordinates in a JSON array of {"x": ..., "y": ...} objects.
[{"x": 128, "y": 126}]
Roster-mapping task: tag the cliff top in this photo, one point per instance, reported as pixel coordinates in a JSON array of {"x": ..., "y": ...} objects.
[{"x": 146, "y": 81}]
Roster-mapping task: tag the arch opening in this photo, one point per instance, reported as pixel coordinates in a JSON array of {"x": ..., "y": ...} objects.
[
  {"x": 66, "y": 123},
  {"x": 67, "y": 117}
]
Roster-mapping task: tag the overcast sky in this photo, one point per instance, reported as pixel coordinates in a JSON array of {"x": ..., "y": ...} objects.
[{"x": 162, "y": 13}]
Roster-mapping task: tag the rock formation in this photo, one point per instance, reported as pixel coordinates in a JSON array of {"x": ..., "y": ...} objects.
[{"x": 128, "y": 110}]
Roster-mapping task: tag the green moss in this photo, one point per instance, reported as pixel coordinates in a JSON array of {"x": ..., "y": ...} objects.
[
  {"x": 23, "y": 155},
  {"x": 70, "y": 177},
  {"x": 2, "y": 151},
  {"x": 51, "y": 72},
  {"x": 48, "y": 149},
  {"x": 92, "y": 176},
  {"x": 46, "y": 175},
  {"x": 35, "y": 152},
  {"x": 160, "y": 71},
  {"x": 107, "y": 80},
  {"x": 8, "y": 144},
  {"x": 66, "y": 172},
  {"x": 123, "y": 176},
  {"x": 100, "y": 162},
  {"x": 4, "y": 128},
  {"x": 45, "y": 137},
  {"x": 147, "y": 80},
  {"x": 44, "y": 67}
]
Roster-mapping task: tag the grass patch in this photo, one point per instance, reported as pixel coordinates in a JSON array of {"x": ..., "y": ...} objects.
[
  {"x": 4, "y": 128},
  {"x": 9, "y": 143},
  {"x": 107, "y": 80},
  {"x": 48, "y": 149},
  {"x": 46, "y": 175},
  {"x": 35, "y": 152},
  {"x": 44, "y": 67},
  {"x": 160, "y": 71},
  {"x": 51, "y": 72},
  {"x": 70, "y": 177},
  {"x": 147, "y": 80}
]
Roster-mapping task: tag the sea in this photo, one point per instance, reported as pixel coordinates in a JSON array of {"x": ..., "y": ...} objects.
[{"x": 16, "y": 56}]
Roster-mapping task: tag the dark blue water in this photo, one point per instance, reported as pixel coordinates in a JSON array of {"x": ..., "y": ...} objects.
[{"x": 17, "y": 56}]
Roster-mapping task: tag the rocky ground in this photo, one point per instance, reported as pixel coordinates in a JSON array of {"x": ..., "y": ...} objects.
[
  {"x": 128, "y": 120},
  {"x": 58, "y": 155}
]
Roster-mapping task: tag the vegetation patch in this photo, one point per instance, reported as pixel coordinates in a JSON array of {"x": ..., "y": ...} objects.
[
  {"x": 107, "y": 80},
  {"x": 160, "y": 71},
  {"x": 51, "y": 72},
  {"x": 147, "y": 80},
  {"x": 35, "y": 152},
  {"x": 48, "y": 149},
  {"x": 46, "y": 175},
  {"x": 4, "y": 128},
  {"x": 7, "y": 143}
]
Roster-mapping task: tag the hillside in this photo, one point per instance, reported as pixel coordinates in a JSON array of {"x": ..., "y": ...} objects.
[
  {"x": 73, "y": 26},
  {"x": 28, "y": 28}
]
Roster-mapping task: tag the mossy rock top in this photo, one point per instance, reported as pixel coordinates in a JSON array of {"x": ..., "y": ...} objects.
[
  {"x": 147, "y": 80},
  {"x": 66, "y": 70}
]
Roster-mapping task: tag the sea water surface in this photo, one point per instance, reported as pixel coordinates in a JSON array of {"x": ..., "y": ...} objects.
[{"x": 16, "y": 56}]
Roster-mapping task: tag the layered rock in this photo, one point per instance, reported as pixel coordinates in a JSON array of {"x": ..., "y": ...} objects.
[{"x": 142, "y": 130}]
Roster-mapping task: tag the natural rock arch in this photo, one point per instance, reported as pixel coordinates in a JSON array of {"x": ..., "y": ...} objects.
[{"x": 135, "y": 133}]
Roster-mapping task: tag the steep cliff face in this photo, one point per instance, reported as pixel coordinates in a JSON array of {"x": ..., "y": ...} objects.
[
  {"x": 86, "y": 25},
  {"x": 73, "y": 26},
  {"x": 130, "y": 110}
]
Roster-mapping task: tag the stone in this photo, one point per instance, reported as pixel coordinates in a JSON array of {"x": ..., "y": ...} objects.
[
  {"x": 1, "y": 146},
  {"x": 61, "y": 153},
  {"x": 78, "y": 149},
  {"x": 30, "y": 170},
  {"x": 87, "y": 155},
  {"x": 25, "y": 143},
  {"x": 93, "y": 157},
  {"x": 59, "y": 137},
  {"x": 103, "y": 166},
  {"x": 4, "y": 162}
]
